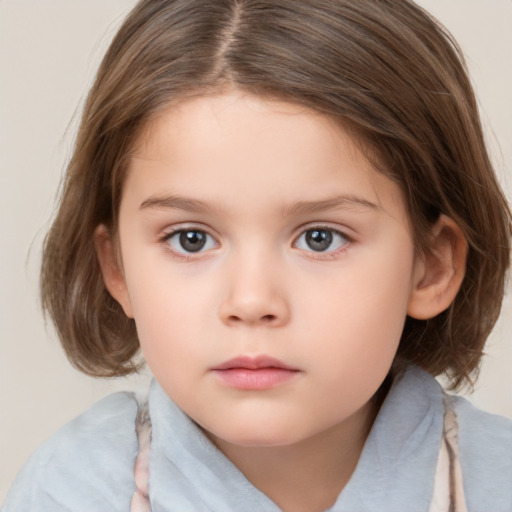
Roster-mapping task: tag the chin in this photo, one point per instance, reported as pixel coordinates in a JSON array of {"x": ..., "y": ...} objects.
[{"x": 261, "y": 436}]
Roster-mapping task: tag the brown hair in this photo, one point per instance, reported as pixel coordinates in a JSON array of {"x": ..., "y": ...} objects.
[{"x": 384, "y": 68}]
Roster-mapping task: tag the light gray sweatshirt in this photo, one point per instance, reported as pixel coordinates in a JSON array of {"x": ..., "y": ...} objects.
[{"x": 88, "y": 465}]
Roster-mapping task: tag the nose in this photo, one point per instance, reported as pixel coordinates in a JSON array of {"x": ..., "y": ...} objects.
[{"x": 255, "y": 294}]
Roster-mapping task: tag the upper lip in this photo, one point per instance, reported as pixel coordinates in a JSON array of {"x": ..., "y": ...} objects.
[{"x": 253, "y": 363}]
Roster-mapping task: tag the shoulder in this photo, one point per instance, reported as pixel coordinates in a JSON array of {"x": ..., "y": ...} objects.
[
  {"x": 86, "y": 466},
  {"x": 485, "y": 446}
]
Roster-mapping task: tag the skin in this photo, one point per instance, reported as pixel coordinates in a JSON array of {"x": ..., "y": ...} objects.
[{"x": 265, "y": 173}]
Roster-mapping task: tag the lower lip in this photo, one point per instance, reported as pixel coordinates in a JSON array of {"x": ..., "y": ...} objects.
[{"x": 255, "y": 379}]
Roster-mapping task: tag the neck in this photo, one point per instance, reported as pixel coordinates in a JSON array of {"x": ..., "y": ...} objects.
[{"x": 306, "y": 476}]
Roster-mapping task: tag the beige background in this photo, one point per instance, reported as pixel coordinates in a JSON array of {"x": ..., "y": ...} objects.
[{"x": 49, "y": 50}]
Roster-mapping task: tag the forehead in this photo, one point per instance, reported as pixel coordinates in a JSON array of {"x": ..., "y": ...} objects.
[
  {"x": 207, "y": 119},
  {"x": 238, "y": 148}
]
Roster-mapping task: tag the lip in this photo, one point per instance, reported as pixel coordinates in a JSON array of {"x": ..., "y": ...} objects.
[
  {"x": 254, "y": 373},
  {"x": 253, "y": 363}
]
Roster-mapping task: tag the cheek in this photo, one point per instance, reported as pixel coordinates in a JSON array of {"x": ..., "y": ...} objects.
[
  {"x": 163, "y": 313},
  {"x": 361, "y": 313},
  {"x": 171, "y": 314}
]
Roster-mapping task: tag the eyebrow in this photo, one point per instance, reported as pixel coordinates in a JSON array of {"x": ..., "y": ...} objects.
[
  {"x": 176, "y": 203},
  {"x": 349, "y": 202}
]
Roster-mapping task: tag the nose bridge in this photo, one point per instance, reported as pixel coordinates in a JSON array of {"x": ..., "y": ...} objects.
[{"x": 255, "y": 288}]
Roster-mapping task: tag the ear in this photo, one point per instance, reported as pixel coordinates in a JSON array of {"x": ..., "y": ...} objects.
[
  {"x": 111, "y": 268},
  {"x": 439, "y": 271}
]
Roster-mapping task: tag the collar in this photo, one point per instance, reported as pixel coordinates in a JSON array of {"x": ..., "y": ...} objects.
[{"x": 395, "y": 471}]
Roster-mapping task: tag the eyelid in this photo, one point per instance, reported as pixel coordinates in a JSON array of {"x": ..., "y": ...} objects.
[
  {"x": 328, "y": 226},
  {"x": 327, "y": 254},
  {"x": 169, "y": 231},
  {"x": 174, "y": 230}
]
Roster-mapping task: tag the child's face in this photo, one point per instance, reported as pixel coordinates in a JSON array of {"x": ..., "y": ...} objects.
[{"x": 288, "y": 245}]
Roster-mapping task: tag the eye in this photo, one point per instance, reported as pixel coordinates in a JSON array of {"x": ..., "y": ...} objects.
[
  {"x": 321, "y": 240},
  {"x": 190, "y": 241}
]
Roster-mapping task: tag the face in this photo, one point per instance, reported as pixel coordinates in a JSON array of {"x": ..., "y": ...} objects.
[{"x": 267, "y": 265}]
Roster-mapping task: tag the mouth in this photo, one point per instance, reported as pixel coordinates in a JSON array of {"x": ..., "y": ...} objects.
[{"x": 254, "y": 373}]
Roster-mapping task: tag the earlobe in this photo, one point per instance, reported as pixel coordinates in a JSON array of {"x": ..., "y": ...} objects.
[
  {"x": 111, "y": 268},
  {"x": 439, "y": 271}
]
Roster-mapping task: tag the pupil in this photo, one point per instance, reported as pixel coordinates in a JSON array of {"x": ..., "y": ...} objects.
[
  {"x": 192, "y": 241},
  {"x": 319, "y": 239}
]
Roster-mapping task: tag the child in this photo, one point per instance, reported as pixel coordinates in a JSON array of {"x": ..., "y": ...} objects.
[{"x": 289, "y": 207}]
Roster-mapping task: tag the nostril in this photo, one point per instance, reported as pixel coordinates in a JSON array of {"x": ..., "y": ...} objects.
[{"x": 262, "y": 319}]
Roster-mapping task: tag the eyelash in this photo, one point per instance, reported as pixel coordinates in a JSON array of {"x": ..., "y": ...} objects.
[
  {"x": 322, "y": 255},
  {"x": 167, "y": 237},
  {"x": 331, "y": 253}
]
